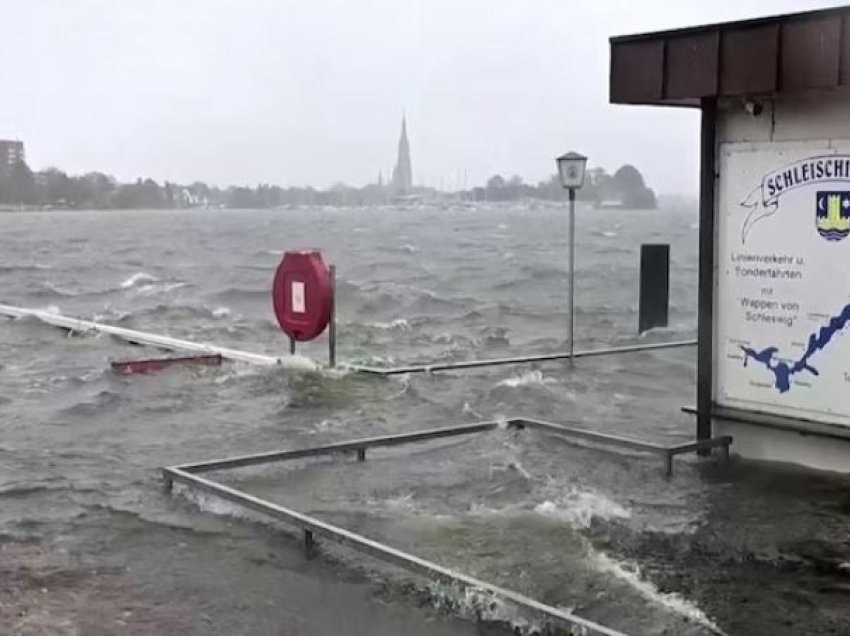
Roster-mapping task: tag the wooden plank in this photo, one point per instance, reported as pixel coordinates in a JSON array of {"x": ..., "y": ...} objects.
[
  {"x": 637, "y": 72},
  {"x": 691, "y": 66},
  {"x": 811, "y": 53},
  {"x": 155, "y": 365},
  {"x": 748, "y": 60}
]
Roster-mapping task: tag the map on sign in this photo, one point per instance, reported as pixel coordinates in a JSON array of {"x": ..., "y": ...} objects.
[{"x": 782, "y": 303}]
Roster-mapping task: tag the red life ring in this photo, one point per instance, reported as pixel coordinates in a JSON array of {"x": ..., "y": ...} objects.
[{"x": 302, "y": 295}]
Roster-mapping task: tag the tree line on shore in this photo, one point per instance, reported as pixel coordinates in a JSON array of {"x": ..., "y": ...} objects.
[{"x": 52, "y": 188}]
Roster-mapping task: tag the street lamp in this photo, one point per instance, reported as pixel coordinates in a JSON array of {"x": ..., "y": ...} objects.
[{"x": 571, "y": 168}]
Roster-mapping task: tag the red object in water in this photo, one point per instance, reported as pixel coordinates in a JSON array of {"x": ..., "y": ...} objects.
[
  {"x": 302, "y": 295},
  {"x": 153, "y": 366}
]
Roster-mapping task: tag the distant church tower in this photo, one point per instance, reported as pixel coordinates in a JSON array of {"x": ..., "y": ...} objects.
[{"x": 403, "y": 172}]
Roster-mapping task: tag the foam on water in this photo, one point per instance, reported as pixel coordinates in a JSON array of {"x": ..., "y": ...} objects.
[
  {"x": 301, "y": 363},
  {"x": 477, "y": 604},
  {"x": 468, "y": 410},
  {"x": 158, "y": 288},
  {"x": 109, "y": 314},
  {"x": 403, "y": 503},
  {"x": 399, "y": 324},
  {"x": 579, "y": 507},
  {"x": 528, "y": 378}
]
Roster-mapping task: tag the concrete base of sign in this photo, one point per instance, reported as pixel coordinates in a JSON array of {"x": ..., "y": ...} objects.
[
  {"x": 754, "y": 441},
  {"x": 766, "y": 437}
]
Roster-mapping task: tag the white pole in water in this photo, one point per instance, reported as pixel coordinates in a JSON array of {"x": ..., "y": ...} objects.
[{"x": 571, "y": 169}]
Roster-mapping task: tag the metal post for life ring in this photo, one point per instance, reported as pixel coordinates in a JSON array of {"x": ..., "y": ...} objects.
[
  {"x": 332, "y": 324},
  {"x": 572, "y": 274}
]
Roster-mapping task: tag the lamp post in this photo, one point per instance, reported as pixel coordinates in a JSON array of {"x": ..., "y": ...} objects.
[{"x": 571, "y": 169}]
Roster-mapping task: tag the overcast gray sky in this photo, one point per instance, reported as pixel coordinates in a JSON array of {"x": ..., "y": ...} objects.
[{"x": 312, "y": 91}]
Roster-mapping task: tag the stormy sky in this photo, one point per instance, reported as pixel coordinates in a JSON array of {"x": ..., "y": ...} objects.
[{"x": 312, "y": 91}]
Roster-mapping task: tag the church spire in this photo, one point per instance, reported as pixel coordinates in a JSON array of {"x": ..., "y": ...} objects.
[{"x": 403, "y": 173}]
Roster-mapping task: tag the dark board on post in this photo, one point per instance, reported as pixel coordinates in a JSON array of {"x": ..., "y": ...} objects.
[{"x": 654, "y": 301}]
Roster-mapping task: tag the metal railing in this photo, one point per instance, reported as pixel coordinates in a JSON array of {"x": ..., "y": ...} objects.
[
  {"x": 545, "y": 357},
  {"x": 189, "y": 475},
  {"x": 175, "y": 344}
]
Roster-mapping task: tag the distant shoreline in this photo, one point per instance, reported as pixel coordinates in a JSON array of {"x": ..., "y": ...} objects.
[{"x": 663, "y": 201}]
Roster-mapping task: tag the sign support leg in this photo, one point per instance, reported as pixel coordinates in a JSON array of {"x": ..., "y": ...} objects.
[{"x": 705, "y": 311}]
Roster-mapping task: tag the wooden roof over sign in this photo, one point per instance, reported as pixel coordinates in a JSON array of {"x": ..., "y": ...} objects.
[{"x": 761, "y": 57}]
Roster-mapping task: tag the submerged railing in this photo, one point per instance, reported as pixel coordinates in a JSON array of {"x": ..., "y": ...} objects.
[{"x": 189, "y": 475}]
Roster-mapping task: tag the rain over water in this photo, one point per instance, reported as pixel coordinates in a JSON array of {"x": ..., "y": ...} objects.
[{"x": 92, "y": 545}]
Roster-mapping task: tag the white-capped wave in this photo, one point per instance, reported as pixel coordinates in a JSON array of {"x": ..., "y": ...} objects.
[
  {"x": 579, "y": 507},
  {"x": 217, "y": 506},
  {"x": 221, "y": 312},
  {"x": 675, "y": 328},
  {"x": 157, "y": 288},
  {"x": 138, "y": 277},
  {"x": 526, "y": 379},
  {"x": 630, "y": 573},
  {"x": 108, "y": 315}
]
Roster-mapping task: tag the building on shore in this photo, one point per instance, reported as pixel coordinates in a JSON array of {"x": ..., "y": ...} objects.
[{"x": 11, "y": 153}]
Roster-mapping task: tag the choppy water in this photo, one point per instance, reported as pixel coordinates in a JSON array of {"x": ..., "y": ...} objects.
[{"x": 745, "y": 548}]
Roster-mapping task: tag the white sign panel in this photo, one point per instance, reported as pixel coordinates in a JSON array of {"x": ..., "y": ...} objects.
[
  {"x": 782, "y": 303},
  {"x": 299, "y": 305}
]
